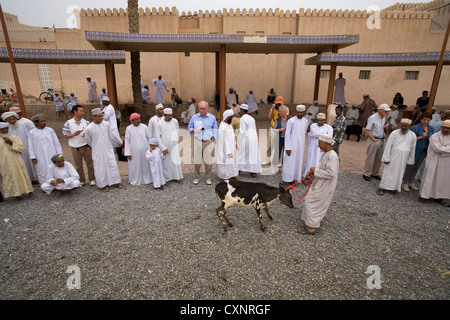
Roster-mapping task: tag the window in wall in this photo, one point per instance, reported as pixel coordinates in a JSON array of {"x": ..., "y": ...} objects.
[
  {"x": 324, "y": 74},
  {"x": 45, "y": 76},
  {"x": 187, "y": 54},
  {"x": 364, "y": 74},
  {"x": 240, "y": 32},
  {"x": 259, "y": 32},
  {"x": 411, "y": 75}
]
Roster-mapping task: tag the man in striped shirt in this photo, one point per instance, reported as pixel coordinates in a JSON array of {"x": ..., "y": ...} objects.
[{"x": 339, "y": 126}]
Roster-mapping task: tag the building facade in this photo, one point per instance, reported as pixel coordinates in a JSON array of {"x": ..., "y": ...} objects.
[{"x": 397, "y": 29}]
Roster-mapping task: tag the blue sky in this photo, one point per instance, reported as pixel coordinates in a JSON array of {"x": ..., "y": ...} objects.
[{"x": 44, "y": 13}]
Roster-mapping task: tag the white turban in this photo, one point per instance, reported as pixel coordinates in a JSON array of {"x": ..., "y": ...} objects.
[
  {"x": 4, "y": 125},
  {"x": 168, "y": 111},
  {"x": 159, "y": 106},
  {"x": 6, "y": 115},
  {"x": 228, "y": 113},
  {"x": 105, "y": 98},
  {"x": 321, "y": 116},
  {"x": 300, "y": 108},
  {"x": 406, "y": 120},
  {"x": 326, "y": 138}
]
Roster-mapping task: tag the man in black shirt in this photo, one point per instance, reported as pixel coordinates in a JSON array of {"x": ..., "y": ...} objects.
[{"x": 421, "y": 106}]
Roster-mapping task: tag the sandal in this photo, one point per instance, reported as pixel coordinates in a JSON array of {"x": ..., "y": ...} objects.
[
  {"x": 119, "y": 186},
  {"x": 380, "y": 192},
  {"x": 444, "y": 203},
  {"x": 306, "y": 231}
]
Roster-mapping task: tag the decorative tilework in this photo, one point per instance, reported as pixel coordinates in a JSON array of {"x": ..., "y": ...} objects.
[
  {"x": 56, "y": 54},
  {"x": 412, "y": 57},
  {"x": 216, "y": 38}
]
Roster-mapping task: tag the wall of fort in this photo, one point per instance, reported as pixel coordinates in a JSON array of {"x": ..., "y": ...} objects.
[{"x": 400, "y": 29}]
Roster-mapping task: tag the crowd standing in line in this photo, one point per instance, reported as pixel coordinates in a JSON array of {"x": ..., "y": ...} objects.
[{"x": 34, "y": 154}]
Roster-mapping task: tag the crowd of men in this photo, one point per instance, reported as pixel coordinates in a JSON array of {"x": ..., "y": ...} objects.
[{"x": 30, "y": 152}]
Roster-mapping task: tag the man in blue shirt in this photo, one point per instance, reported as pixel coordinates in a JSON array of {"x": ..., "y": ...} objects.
[{"x": 203, "y": 126}]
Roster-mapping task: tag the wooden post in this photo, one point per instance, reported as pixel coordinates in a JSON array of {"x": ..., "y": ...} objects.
[
  {"x": 223, "y": 76},
  {"x": 13, "y": 65},
  {"x": 330, "y": 94},
  {"x": 317, "y": 83},
  {"x": 217, "y": 72},
  {"x": 437, "y": 71},
  {"x": 111, "y": 81}
]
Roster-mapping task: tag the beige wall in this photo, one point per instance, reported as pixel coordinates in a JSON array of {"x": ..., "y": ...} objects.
[{"x": 194, "y": 76}]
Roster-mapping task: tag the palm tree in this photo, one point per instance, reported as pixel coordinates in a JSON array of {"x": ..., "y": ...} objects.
[{"x": 133, "y": 24}]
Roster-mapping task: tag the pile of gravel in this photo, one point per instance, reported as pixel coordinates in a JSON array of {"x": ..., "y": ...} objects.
[{"x": 141, "y": 243}]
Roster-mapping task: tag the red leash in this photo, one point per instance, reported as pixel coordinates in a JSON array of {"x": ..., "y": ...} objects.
[{"x": 291, "y": 187}]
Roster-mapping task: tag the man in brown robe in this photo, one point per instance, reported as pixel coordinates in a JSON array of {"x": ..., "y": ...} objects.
[{"x": 368, "y": 107}]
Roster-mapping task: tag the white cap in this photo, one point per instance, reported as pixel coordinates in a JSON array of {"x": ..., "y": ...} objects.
[
  {"x": 300, "y": 108},
  {"x": 168, "y": 111},
  {"x": 326, "y": 138},
  {"x": 159, "y": 106},
  {"x": 315, "y": 101},
  {"x": 4, "y": 125},
  {"x": 244, "y": 106},
  {"x": 105, "y": 98},
  {"x": 153, "y": 141},
  {"x": 321, "y": 116},
  {"x": 96, "y": 111},
  {"x": 228, "y": 113},
  {"x": 384, "y": 107},
  {"x": 37, "y": 117},
  {"x": 406, "y": 120},
  {"x": 445, "y": 123}
]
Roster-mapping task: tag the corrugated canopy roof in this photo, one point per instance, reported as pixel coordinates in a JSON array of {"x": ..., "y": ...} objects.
[
  {"x": 211, "y": 42},
  {"x": 379, "y": 59},
  {"x": 56, "y": 56}
]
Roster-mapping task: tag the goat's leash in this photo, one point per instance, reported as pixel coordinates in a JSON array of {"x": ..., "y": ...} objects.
[{"x": 291, "y": 187}]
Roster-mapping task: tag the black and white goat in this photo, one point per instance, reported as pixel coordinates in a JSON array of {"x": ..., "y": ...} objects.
[{"x": 249, "y": 194}]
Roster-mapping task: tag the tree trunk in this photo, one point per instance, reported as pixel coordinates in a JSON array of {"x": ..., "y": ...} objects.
[{"x": 133, "y": 23}]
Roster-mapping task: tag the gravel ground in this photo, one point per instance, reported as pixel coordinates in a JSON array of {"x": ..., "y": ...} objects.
[{"x": 141, "y": 243}]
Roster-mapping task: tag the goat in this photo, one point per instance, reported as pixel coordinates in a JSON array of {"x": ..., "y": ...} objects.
[
  {"x": 249, "y": 194},
  {"x": 354, "y": 129}
]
